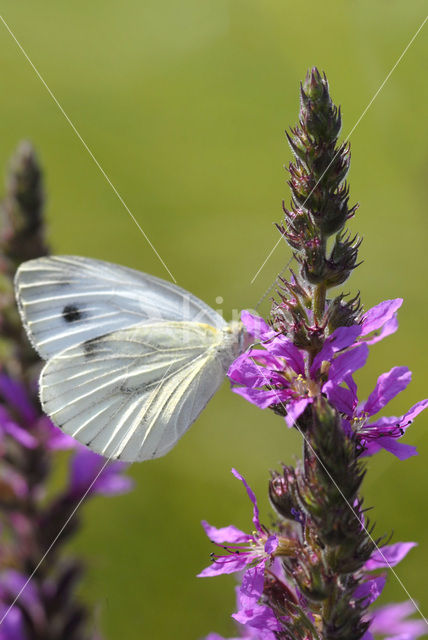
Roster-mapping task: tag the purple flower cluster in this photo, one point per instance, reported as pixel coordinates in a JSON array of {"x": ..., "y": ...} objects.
[
  {"x": 278, "y": 373},
  {"x": 257, "y": 558},
  {"x": 30, "y": 524}
]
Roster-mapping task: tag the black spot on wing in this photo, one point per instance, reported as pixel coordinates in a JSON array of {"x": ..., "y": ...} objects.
[
  {"x": 90, "y": 347},
  {"x": 72, "y": 313},
  {"x": 128, "y": 389}
]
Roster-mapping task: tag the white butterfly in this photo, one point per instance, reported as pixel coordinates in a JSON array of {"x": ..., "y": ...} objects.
[{"x": 131, "y": 359}]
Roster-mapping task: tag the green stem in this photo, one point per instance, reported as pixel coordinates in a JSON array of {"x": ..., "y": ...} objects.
[{"x": 318, "y": 304}]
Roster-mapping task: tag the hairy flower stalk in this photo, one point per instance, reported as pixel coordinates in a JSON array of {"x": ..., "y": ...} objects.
[
  {"x": 37, "y": 599},
  {"x": 314, "y": 574}
]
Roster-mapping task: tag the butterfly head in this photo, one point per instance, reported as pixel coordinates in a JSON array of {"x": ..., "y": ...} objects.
[{"x": 235, "y": 332}]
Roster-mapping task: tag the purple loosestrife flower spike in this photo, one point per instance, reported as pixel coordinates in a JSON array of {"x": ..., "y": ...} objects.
[
  {"x": 43, "y": 605},
  {"x": 321, "y": 583}
]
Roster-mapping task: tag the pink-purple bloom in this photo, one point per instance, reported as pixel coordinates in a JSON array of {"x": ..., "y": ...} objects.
[
  {"x": 281, "y": 374},
  {"x": 383, "y": 432},
  {"x": 382, "y": 558},
  {"x": 20, "y": 419},
  {"x": 393, "y": 622},
  {"x": 251, "y": 554},
  {"x": 92, "y": 474}
]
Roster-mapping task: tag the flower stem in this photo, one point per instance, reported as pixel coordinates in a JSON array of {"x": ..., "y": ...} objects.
[{"x": 319, "y": 302}]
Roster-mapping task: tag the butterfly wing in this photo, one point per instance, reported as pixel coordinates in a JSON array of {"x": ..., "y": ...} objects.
[
  {"x": 131, "y": 394},
  {"x": 66, "y": 300}
]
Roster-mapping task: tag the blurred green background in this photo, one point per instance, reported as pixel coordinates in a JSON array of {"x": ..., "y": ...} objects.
[{"x": 184, "y": 104}]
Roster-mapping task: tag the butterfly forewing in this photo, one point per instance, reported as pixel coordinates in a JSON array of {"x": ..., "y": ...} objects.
[
  {"x": 132, "y": 393},
  {"x": 67, "y": 300}
]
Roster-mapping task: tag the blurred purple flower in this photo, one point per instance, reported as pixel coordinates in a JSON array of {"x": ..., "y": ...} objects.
[
  {"x": 36, "y": 428},
  {"x": 391, "y": 621},
  {"x": 388, "y": 556},
  {"x": 13, "y": 626},
  {"x": 381, "y": 558},
  {"x": 91, "y": 474}
]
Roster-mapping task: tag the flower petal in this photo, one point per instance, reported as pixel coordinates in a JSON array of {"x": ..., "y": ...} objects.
[
  {"x": 340, "y": 397},
  {"x": 346, "y": 363},
  {"x": 20, "y": 435},
  {"x": 412, "y": 413},
  {"x": 246, "y": 370},
  {"x": 377, "y": 316},
  {"x": 370, "y": 590},
  {"x": 16, "y": 396},
  {"x": 387, "y": 387},
  {"x": 225, "y": 565},
  {"x": 225, "y": 534},
  {"x": 13, "y": 625},
  {"x": 283, "y": 347},
  {"x": 251, "y": 588},
  {"x": 256, "y": 326},
  {"x": 399, "y": 449},
  {"x": 391, "y": 619},
  {"x": 388, "y": 329},
  {"x": 388, "y": 556},
  {"x": 252, "y": 497},
  {"x": 295, "y": 409},
  {"x": 271, "y": 544},
  {"x": 260, "y": 617},
  {"x": 261, "y": 398},
  {"x": 340, "y": 339},
  {"x": 91, "y": 474}
]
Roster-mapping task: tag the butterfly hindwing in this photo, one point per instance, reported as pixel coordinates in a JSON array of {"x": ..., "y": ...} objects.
[
  {"x": 67, "y": 300},
  {"x": 131, "y": 394}
]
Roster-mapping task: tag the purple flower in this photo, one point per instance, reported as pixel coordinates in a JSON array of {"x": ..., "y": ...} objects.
[
  {"x": 383, "y": 432},
  {"x": 251, "y": 554},
  {"x": 15, "y": 585},
  {"x": 243, "y": 549},
  {"x": 370, "y": 590},
  {"x": 389, "y": 620},
  {"x": 280, "y": 373},
  {"x": 381, "y": 558},
  {"x": 280, "y": 368},
  {"x": 38, "y": 429},
  {"x": 392, "y": 622},
  {"x": 92, "y": 474},
  {"x": 248, "y": 632},
  {"x": 16, "y": 396},
  {"x": 388, "y": 556},
  {"x": 384, "y": 317},
  {"x": 13, "y": 626}
]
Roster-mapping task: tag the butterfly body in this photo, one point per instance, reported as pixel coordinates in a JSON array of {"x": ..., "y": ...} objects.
[{"x": 132, "y": 360}]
